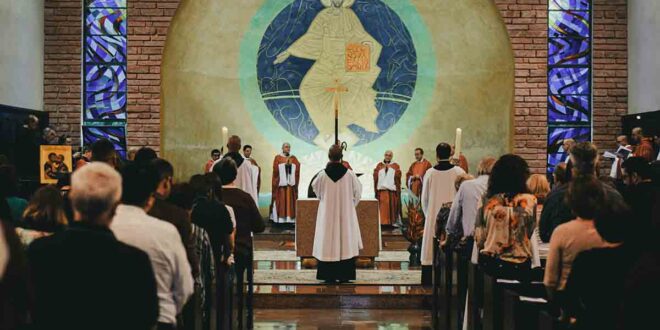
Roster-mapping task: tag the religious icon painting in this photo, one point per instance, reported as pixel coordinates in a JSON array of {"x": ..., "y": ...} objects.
[{"x": 54, "y": 162}]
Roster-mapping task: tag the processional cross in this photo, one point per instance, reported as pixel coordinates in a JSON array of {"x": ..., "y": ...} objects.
[{"x": 336, "y": 90}]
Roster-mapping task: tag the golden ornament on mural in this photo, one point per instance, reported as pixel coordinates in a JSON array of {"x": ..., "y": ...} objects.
[{"x": 358, "y": 58}]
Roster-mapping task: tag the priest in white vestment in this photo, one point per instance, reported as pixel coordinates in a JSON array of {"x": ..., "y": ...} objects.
[
  {"x": 437, "y": 189},
  {"x": 337, "y": 240},
  {"x": 246, "y": 179}
]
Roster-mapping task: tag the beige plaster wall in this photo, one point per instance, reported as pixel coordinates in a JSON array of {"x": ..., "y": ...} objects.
[{"x": 201, "y": 92}]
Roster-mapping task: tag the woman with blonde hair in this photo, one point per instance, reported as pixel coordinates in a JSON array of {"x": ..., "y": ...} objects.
[{"x": 539, "y": 186}]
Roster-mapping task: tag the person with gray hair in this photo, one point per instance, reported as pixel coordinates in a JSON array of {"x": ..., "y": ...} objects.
[{"x": 109, "y": 284}]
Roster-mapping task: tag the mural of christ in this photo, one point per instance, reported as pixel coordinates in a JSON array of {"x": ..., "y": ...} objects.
[{"x": 344, "y": 54}]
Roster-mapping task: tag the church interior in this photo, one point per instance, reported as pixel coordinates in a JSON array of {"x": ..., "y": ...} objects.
[{"x": 329, "y": 164}]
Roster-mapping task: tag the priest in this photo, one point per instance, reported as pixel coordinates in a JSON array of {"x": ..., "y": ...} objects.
[
  {"x": 337, "y": 239},
  {"x": 256, "y": 170},
  {"x": 245, "y": 177},
  {"x": 415, "y": 175},
  {"x": 387, "y": 181},
  {"x": 286, "y": 175}
]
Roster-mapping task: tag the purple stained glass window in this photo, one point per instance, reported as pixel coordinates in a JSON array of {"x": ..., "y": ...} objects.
[
  {"x": 568, "y": 109},
  {"x": 556, "y": 137},
  {"x": 574, "y": 24},
  {"x": 106, "y": 3},
  {"x": 104, "y": 72},
  {"x": 568, "y": 51},
  {"x": 106, "y": 21},
  {"x": 116, "y": 135},
  {"x": 569, "y": 81},
  {"x": 105, "y": 106},
  {"x": 569, "y": 75},
  {"x": 569, "y": 5},
  {"x": 105, "y": 49}
]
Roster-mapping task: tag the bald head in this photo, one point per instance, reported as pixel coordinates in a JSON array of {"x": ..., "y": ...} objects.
[
  {"x": 335, "y": 154},
  {"x": 622, "y": 140},
  {"x": 286, "y": 148},
  {"x": 388, "y": 156},
  {"x": 95, "y": 193},
  {"x": 234, "y": 143}
]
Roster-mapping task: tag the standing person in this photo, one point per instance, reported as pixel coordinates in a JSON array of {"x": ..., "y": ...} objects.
[
  {"x": 506, "y": 221},
  {"x": 337, "y": 239},
  {"x": 387, "y": 183},
  {"x": 286, "y": 177},
  {"x": 166, "y": 211},
  {"x": 460, "y": 161},
  {"x": 159, "y": 239},
  {"x": 643, "y": 145},
  {"x": 415, "y": 175},
  {"x": 642, "y": 195},
  {"x": 248, "y": 222},
  {"x": 245, "y": 173},
  {"x": 567, "y": 145},
  {"x": 466, "y": 204},
  {"x": 85, "y": 157},
  {"x": 104, "y": 151},
  {"x": 215, "y": 155},
  {"x": 615, "y": 171},
  {"x": 109, "y": 284},
  {"x": 256, "y": 170},
  {"x": 437, "y": 189}
]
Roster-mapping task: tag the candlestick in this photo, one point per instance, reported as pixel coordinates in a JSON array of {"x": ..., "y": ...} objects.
[
  {"x": 225, "y": 136},
  {"x": 457, "y": 143}
]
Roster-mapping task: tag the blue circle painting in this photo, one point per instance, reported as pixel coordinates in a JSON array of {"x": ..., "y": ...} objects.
[{"x": 316, "y": 54}]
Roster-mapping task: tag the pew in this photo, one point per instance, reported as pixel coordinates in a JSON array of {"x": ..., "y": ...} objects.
[
  {"x": 520, "y": 312},
  {"x": 549, "y": 322},
  {"x": 475, "y": 296}
]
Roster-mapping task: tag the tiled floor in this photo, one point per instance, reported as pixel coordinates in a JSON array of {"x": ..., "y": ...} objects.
[{"x": 358, "y": 319}]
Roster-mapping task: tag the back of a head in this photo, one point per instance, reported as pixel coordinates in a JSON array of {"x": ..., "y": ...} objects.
[
  {"x": 139, "y": 182},
  {"x": 638, "y": 166},
  {"x": 95, "y": 190},
  {"x": 199, "y": 185},
  {"x": 612, "y": 222},
  {"x": 215, "y": 185},
  {"x": 585, "y": 196},
  {"x": 145, "y": 155},
  {"x": 183, "y": 195},
  {"x": 46, "y": 209},
  {"x": 226, "y": 170},
  {"x": 560, "y": 174},
  {"x": 335, "y": 153},
  {"x": 485, "y": 166},
  {"x": 443, "y": 151},
  {"x": 234, "y": 143},
  {"x": 584, "y": 156},
  {"x": 103, "y": 151},
  {"x": 163, "y": 168},
  {"x": 509, "y": 176},
  {"x": 538, "y": 186}
]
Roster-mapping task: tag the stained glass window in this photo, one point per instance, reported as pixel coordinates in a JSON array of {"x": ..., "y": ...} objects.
[
  {"x": 104, "y": 72},
  {"x": 569, "y": 75}
]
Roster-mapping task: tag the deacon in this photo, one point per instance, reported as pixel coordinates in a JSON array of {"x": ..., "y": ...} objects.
[
  {"x": 387, "y": 180},
  {"x": 337, "y": 240},
  {"x": 286, "y": 175},
  {"x": 245, "y": 177},
  {"x": 256, "y": 170},
  {"x": 415, "y": 175}
]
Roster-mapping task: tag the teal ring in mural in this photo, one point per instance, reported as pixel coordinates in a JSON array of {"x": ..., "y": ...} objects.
[{"x": 396, "y": 133}]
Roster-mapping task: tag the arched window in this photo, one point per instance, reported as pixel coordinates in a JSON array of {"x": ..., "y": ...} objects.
[
  {"x": 104, "y": 72},
  {"x": 569, "y": 75}
]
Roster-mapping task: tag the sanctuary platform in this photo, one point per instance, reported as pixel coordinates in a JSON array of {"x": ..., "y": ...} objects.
[{"x": 286, "y": 293}]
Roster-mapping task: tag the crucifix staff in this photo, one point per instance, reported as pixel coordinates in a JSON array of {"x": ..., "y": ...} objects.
[{"x": 336, "y": 90}]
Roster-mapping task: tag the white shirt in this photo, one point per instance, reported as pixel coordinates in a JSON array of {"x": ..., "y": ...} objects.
[
  {"x": 386, "y": 179},
  {"x": 287, "y": 180},
  {"x": 161, "y": 241},
  {"x": 465, "y": 206}
]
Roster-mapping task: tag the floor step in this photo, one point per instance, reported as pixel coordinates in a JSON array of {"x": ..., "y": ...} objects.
[{"x": 342, "y": 296}]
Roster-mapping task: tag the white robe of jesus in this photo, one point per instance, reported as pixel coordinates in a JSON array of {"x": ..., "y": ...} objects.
[
  {"x": 337, "y": 234},
  {"x": 438, "y": 188}
]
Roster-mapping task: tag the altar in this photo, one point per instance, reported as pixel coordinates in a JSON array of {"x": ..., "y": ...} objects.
[{"x": 367, "y": 212}]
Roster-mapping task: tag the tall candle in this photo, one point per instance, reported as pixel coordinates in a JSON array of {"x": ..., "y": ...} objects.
[
  {"x": 225, "y": 135},
  {"x": 457, "y": 144}
]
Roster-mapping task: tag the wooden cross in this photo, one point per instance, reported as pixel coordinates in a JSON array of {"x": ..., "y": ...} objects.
[{"x": 336, "y": 90}]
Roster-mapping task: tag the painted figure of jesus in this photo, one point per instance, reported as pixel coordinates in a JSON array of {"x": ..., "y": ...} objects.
[{"x": 346, "y": 54}]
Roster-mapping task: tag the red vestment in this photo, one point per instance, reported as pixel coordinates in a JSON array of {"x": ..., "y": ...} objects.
[
  {"x": 284, "y": 189},
  {"x": 389, "y": 198},
  {"x": 415, "y": 176},
  {"x": 644, "y": 150}
]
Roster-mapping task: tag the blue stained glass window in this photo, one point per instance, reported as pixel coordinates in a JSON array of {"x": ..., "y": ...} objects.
[
  {"x": 105, "y": 83},
  {"x": 569, "y": 75}
]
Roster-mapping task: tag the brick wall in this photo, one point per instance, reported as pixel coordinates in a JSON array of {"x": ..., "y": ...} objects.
[{"x": 526, "y": 22}]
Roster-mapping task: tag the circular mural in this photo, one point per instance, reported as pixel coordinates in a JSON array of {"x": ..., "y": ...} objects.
[{"x": 354, "y": 55}]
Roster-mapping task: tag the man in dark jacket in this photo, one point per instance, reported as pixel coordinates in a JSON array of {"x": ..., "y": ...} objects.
[{"x": 83, "y": 277}]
